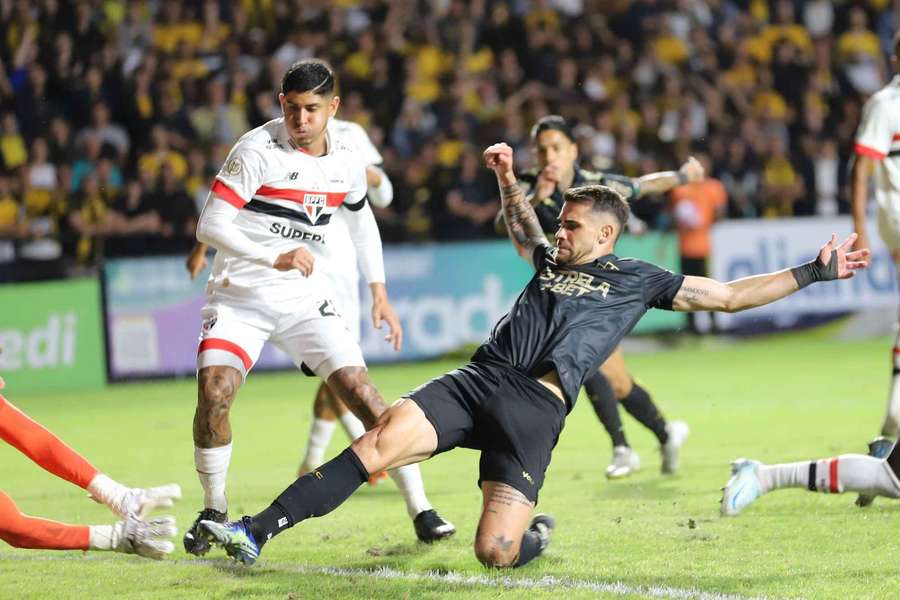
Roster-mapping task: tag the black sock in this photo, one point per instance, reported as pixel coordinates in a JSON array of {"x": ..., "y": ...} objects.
[
  {"x": 531, "y": 547},
  {"x": 641, "y": 407},
  {"x": 313, "y": 495},
  {"x": 603, "y": 399}
]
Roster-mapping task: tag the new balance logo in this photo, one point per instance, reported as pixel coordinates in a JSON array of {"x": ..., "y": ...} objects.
[
  {"x": 293, "y": 176},
  {"x": 282, "y": 522}
]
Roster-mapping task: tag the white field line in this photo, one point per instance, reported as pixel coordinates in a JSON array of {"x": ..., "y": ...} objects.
[{"x": 548, "y": 582}]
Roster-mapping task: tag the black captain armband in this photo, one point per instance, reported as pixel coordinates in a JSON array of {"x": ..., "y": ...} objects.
[
  {"x": 814, "y": 271},
  {"x": 357, "y": 205}
]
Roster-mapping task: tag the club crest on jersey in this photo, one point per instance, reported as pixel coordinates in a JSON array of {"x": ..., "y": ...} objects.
[
  {"x": 233, "y": 166},
  {"x": 314, "y": 204}
]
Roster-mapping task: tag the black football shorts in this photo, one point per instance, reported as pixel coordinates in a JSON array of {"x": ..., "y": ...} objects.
[{"x": 512, "y": 418}]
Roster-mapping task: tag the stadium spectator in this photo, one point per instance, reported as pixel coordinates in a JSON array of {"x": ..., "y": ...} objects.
[
  {"x": 11, "y": 229},
  {"x": 695, "y": 207},
  {"x": 106, "y": 132}
]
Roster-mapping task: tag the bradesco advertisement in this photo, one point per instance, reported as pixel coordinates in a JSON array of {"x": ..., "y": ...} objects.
[
  {"x": 742, "y": 248},
  {"x": 446, "y": 295},
  {"x": 51, "y": 336}
]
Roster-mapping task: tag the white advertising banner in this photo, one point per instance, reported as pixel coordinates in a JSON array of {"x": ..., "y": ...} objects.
[{"x": 749, "y": 247}]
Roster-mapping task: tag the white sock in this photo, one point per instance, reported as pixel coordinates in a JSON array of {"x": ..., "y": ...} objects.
[
  {"x": 353, "y": 426},
  {"x": 891, "y": 425},
  {"x": 409, "y": 480},
  {"x": 320, "y": 434},
  {"x": 108, "y": 491},
  {"x": 867, "y": 474},
  {"x": 212, "y": 469},
  {"x": 845, "y": 473}
]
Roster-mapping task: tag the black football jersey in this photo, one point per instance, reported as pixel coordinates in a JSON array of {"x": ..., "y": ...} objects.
[{"x": 571, "y": 317}]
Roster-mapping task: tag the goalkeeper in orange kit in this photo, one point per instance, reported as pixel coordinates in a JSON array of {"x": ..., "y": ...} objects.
[{"x": 132, "y": 534}]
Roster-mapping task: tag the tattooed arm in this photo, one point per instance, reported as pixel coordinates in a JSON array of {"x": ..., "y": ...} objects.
[
  {"x": 521, "y": 221},
  {"x": 833, "y": 262}
]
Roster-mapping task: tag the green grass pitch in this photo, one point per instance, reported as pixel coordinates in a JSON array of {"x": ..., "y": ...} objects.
[{"x": 776, "y": 398}]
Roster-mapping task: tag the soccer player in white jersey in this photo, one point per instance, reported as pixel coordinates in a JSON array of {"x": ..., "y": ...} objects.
[
  {"x": 877, "y": 152},
  {"x": 267, "y": 215},
  {"x": 344, "y": 276}
]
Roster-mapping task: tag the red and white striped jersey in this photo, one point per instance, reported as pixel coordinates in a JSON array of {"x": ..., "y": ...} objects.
[
  {"x": 878, "y": 137},
  {"x": 286, "y": 199}
]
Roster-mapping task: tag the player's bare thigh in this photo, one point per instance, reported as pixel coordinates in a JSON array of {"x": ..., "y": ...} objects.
[
  {"x": 402, "y": 435},
  {"x": 617, "y": 372},
  {"x": 505, "y": 514},
  {"x": 217, "y": 387}
]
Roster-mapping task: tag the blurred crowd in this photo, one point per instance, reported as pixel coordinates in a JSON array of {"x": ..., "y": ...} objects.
[{"x": 115, "y": 115}]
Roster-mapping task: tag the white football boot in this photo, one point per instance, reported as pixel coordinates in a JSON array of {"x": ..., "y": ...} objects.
[
  {"x": 624, "y": 462},
  {"x": 743, "y": 487}
]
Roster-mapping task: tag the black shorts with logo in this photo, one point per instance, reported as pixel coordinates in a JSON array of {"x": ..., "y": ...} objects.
[{"x": 513, "y": 419}]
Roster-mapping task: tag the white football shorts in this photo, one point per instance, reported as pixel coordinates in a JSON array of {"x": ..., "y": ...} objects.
[{"x": 310, "y": 331}]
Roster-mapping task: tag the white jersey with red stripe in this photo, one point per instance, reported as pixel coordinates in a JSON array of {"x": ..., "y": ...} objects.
[
  {"x": 287, "y": 199},
  {"x": 878, "y": 137}
]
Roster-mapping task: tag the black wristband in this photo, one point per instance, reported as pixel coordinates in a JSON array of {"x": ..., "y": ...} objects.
[
  {"x": 682, "y": 178},
  {"x": 814, "y": 271}
]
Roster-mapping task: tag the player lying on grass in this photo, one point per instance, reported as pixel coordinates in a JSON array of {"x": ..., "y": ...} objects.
[
  {"x": 512, "y": 399},
  {"x": 132, "y": 535},
  {"x": 867, "y": 475}
]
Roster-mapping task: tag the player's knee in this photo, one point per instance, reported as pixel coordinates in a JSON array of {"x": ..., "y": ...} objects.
[
  {"x": 492, "y": 553},
  {"x": 371, "y": 448},
  {"x": 216, "y": 393}
]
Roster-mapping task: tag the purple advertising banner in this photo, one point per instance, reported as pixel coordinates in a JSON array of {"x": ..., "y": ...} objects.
[{"x": 446, "y": 296}]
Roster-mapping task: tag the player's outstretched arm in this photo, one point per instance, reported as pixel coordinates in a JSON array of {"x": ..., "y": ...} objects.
[
  {"x": 663, "y": 181},
  {"x": 522, "y": 223},
  {"x": 834, "y": 261}
]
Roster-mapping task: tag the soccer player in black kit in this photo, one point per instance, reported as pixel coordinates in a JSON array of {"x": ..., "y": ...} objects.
[
  {"x": 556, "y": 153},
  {"x": 512, "y": 399}
]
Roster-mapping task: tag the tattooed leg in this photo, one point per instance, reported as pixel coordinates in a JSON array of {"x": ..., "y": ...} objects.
[{"x": 504, "y": 519}]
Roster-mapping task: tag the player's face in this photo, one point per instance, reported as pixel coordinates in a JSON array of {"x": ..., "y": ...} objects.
[
  {"x": 553, "y": 148},
  {"x": 306, "y": 115},
  {"x": 582, "y": 234}
]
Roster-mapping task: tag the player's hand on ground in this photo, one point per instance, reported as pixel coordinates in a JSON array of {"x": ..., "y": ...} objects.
[
  {"x": 848, "y": 261},
  {"x": 300, "y": 259},
  {"x": 499, "y": 159},
  {"x": 150, "y": 539},
  {"x": 196, "y": 261},
  {"x": 383, "y": 311},
  {"x": 692, "y": 170}
]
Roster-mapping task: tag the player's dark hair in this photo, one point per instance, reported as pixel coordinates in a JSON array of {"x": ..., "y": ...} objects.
[
  {"x": 602, "y": 199},
  {"x": 552, "y": 122},
  {"x": 309, "y": 75}
]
